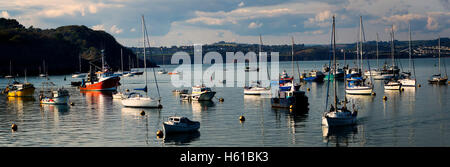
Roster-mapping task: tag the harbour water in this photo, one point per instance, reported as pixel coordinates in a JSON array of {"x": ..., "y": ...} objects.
[{"x": 415, "y": 117}]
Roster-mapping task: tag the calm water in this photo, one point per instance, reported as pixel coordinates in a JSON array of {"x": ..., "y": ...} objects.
[{"x": 415, "y": 117}]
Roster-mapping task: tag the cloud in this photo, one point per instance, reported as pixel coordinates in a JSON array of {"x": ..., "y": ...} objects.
[
  {"x": 254, "y": 25},
  {"x": 248, "y": 13},
  {"x": 114, "y": 29},
  {"x": 5, "y": 14},
  {"x": 241, "y": 4},
  {"x": 322, "y": 19},
  {"x": 99, "y": 27}
]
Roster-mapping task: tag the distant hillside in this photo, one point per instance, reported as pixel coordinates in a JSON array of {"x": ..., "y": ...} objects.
[
  {"x": 27, "y": 48},
  {"x": 420, "y": 49}
]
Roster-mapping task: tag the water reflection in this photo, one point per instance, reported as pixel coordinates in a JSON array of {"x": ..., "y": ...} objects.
[
  {"x": 181, "y": 138},
  {"x": 199, "y": 106},
  {"x": 339, "y": 135}
]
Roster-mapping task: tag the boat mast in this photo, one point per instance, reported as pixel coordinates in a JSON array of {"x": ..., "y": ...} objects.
[
  {"x": 103, "y": 60},
  {"x": 334, "y": 59},
  {"x": 378, "y": 65},
  {"x": 409, "y": 45},
  {"x": 392, "y": 49},
  {"x": 145, "y": 62},
  {"x": 121, "y": 60},
  {"x": 361, "y": 42},
  {"x": 10, "y": 68},
  {"x": 439, "y": 53},
  {"x": 292, "y": 57},
  {"x": 79, "y": 60}
]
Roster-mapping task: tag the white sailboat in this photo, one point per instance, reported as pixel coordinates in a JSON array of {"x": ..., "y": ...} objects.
[
  {"x": 438, "y": 78},
  {"x": 10, "y": 70},
  {"x": 337, "y": 116},
  {"x": 79, "y": 74},
  {"x": 392, "y": 84},
  {"x": 136, "y": 99},
  {"x": 162, "y": 71},
  {"x": 357, "y": 86},
  {"x": 407, "y": 80},
  {"x": 257, "y": 89}
]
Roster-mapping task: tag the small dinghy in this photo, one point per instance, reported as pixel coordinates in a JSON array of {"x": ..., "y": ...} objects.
[{"x": 177, "y": 124}]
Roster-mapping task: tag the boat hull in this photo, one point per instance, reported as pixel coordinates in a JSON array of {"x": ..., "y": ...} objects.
[
  {"x": 206, "y": 96},
  {"x": 359, "y": 91},
  {"x": 26, "y": 92},
  {"x": 180, "y": 128},
  {"x": 256, "y": 91},
  {"x": 396, "y": 86},
  {"x": 55, "y": 100},
  {"x": 326, "y": 121},
  {"x": 140, "y": 102},
  {"x": 408, "y": 82},
  {"x": 109, "y": 84},
  {"x": 297, "y": 101}
]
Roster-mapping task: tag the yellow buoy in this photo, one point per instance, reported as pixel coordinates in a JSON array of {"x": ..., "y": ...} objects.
[
  {"x": 159, "y": 133},
  {"x": 142, "y": 113},
  {"x": 403, "y": 89},
  {"x": 241, "y": 118},
  {"x": 384, "y": 98},
  {"x": 374, "y": 94},
  {"x": 419, "y": 85},
  {"x": 291, "y": 106},
  {"x": 308, "y": 89},
  {"x": 14, "y": 127},
  {"x": 72, "y": 103},
  {"x": 221, "y": 99}
]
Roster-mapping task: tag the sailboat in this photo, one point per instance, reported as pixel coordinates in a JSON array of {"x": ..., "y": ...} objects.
[
  {"x": 291, "y": 98},
  {"x": 135, "y": 99},
  {"x": 78, "y": 74},
  {"x": 437, "y": 78},
  {"x": 406, "y": 79},
  {"x": 337, "y": 116},
  {"x": 44, "y": 72},
  {"x": 257, "y": 89},
  {"x": 163, "y": 71},
  {"x": 356, "y": 85},
  {"x": 10, "y": 71},
  {"x": 392, "y": 84}
]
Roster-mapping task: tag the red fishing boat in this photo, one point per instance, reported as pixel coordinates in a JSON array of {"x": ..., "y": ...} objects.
[
  {"x": 104, "y": 80},
  {"x": 101, "y": 81}
]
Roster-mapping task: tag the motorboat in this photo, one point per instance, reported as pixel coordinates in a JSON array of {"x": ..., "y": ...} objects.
[
  {"x": 314, "y": 75},
  {"x": 58, "y": 97},
  {"x": 17, "y": 89},
  {"x": 176, "y": 124},
  {"x": 199, "y": 93}
]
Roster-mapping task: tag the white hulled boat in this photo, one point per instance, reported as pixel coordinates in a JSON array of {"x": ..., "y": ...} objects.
[{"x": 392, "y": 84}]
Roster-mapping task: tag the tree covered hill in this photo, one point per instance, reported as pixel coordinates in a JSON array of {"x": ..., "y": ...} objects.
[{"x": 60, "y": 48}]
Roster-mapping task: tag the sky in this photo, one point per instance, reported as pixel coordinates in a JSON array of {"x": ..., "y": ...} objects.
[{"x": 188, "y": 22}]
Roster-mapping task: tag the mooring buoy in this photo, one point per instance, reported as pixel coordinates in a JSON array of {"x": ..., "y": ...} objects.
[
  {"x": 142, "y": 113},
  {"x": 159, "y": 133},
  {"x": 242, "y": 118},
  {"x": 14, "y": 127}
]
